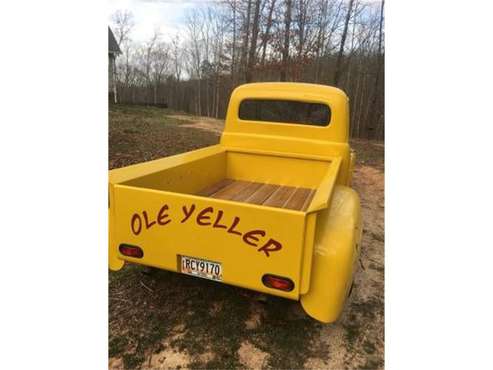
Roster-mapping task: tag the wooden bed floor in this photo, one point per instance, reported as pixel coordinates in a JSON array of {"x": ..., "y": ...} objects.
[{"x": 288, "y": 197}]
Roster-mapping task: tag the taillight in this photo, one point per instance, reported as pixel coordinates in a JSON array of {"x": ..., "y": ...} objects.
[
  {"x": 131, "y": 251},
  {"x": 278, "y": 282}
]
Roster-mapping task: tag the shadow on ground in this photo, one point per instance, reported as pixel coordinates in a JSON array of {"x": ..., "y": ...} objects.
[{"x": 208, "y": 322}]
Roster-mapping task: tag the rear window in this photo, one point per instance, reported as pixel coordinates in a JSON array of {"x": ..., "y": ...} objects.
[{"x": 285, "y": 111}]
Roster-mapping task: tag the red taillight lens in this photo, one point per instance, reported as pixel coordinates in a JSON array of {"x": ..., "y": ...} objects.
[
  {"x": 131, "y": 251},
  {"x": 278, "y": 282}
]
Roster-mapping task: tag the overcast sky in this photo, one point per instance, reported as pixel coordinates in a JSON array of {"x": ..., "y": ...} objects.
[{"x": 165, "y": 15}]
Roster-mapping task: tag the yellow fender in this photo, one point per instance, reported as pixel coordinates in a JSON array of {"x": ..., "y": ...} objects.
[{"x": 336, "y": 251}]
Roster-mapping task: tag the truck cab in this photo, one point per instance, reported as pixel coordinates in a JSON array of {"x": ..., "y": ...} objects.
[{"x": 270, "y": 208}]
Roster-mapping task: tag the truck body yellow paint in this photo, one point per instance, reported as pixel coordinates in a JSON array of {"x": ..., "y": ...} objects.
[{"x": 160, "y": 206}]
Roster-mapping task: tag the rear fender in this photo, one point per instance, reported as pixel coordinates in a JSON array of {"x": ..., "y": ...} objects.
[{"x": 336, "y": 250}]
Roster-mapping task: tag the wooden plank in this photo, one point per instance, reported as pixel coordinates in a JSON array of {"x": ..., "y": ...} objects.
[
  {"x": 262, "y": 193},
  {"x": 231, "y": 190},
  {"x": 280, "y": 197},
  {"x": 258, "y": 193},
  {"x": 247, "y": 192},
  {"x": 308, "y": 200},
  {"x": 298, "y": 199},
  {"x": 208, "y": 191}
]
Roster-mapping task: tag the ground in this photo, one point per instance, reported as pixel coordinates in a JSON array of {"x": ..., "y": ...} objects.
[{"x": 163, "y": 320}]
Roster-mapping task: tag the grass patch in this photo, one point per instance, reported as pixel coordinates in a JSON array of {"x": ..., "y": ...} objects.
[
  {"x": 360, "y": 313},
  {"x": 138, "y": 134},
  {"x": 117, "y": 346},
  {"x": 369, "y": 347},
  {"x": 177, "y": 300},
  {"x": 369, "y": 153},
  {"x": 287, "y": 338}
]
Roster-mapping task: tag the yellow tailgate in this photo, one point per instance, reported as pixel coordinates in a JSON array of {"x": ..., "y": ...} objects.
[{"x": 248, "y": 240}]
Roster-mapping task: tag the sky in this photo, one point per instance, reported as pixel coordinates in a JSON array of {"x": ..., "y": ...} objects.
[{"x": 167, "y": 16}]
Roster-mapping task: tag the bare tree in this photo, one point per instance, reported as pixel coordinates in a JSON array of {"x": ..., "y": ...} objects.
[
  {"x": 176, "y": 55},
  {"x": 194, "y": 25},
  {"x": 287, "y": 31},
  {"x": 123, "y": 21},
  {"x": 337, "y": 72},
  {"x": 160, "y": 61},
  {"x": 376, "y": 94},
  {"x": 233, "y": 52},
  {"x": 302, "y": 22},
  {"x": 266, "y": 34},
  {"x": 253, "y": 42},
  {"x": 246, "y": 34}
]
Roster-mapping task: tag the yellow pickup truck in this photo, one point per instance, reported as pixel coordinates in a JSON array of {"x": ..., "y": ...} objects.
[{"x": 270, "y": 208}]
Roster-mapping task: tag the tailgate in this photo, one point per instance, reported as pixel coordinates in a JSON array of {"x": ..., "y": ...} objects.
[{"x": 248, "y": 240}]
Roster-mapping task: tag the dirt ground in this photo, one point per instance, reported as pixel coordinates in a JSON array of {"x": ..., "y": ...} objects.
[{"x": 164, "y": 320}]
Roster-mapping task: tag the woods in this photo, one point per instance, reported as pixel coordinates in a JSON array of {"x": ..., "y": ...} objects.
[{"x": 231, "y": 42}]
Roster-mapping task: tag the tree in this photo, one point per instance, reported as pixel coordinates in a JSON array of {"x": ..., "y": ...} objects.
[
  {"x": 233, "y": 52},
  {"x": 266, "y": 35},
  {"x": 337, "y": 72},
  {"x": 246, "y": 34},
  {"x": 123, "y": 21},
  {"x": 194, "y": 25},
  {"x": 159, "y": 64},
  {"x": 285, "y": 49},
  {"x": 376, "y": 93},
  {"x": 253, "y": 43}
]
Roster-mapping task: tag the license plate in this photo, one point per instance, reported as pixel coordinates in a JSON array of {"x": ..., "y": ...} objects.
[{"x": 201, "y": 268}]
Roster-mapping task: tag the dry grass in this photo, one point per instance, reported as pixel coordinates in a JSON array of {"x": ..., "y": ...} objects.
[
  {"x": 138, "y": 134},
  {"x": 184, "y": 322}
]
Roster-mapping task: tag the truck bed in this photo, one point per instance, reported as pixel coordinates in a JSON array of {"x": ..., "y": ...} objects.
[
  {"x": 275, "y": 180},
  {"x": 288, "y": 197}
]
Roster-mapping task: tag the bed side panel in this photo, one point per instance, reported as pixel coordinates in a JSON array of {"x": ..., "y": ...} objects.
[{"x": 188, "y": 177}]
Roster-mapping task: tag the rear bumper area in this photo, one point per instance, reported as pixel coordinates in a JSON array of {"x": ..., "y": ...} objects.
[{"x": 248, "y": 240}]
